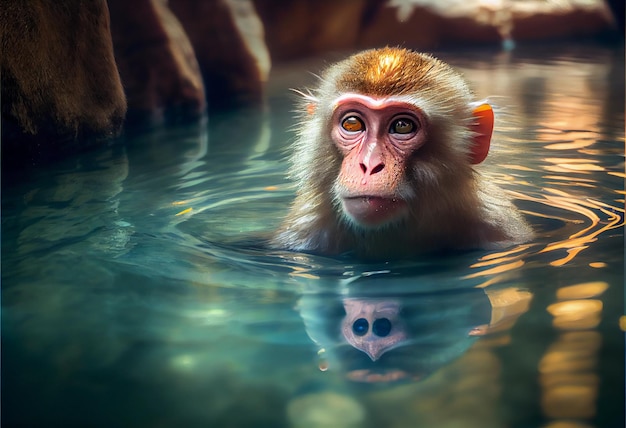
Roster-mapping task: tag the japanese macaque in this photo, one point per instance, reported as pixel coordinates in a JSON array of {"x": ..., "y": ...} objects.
[{"x": 383, "y": 163}]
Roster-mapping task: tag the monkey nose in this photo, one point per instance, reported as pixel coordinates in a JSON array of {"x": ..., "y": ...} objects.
[
  {"x": 371, "y": 169},
  {"x": 371, "y": 159}
]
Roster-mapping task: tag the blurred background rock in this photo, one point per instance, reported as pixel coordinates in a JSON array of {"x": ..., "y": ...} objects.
[{"x": 75, "y": 73}]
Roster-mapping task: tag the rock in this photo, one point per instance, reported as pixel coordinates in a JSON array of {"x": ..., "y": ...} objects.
[
  {"x": 299, "y": 28},
  {"x": 157, "y": 62},
  {"x": 61, "y": 88},
  {"x": 423, "y": 27},
  {"x": 59, "y": 77},
  {"x": 308, "y": 27},
  {"x": 228, "y": 38},
  {"x": 549, "y": 21}
]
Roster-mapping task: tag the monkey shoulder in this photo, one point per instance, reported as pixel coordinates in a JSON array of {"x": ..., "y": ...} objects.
[{"x": 503, "y": 223}]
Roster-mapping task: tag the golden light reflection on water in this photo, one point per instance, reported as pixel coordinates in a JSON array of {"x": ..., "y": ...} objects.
[
  {"x": 498, "y": 269},
  {"x": 567, "y": 376},
  {"x": 598, "y": 265},
  {"x": 573, "y": 145},
  {"x": 568, "y": 368},
  {"x": 618, "y": 174},
  {"x": 566, "y": 178},
  {"x": 574, "y": 244},
  {"x": 302, "y": 272},
  {"x": 507, "y": 306},
  {"x": 584, "y": 171},
  {"x": 574, "y": 165},
  {"x": 582, "y": 291},
  {"x": 576, "y": 314},
  {"x": 599, "y": 216},
  {"x": 571, "y": 165},
  {"x": 587, "y": 208},
  {"x": 503, "y": 261},
  {"x": 497, "y": 257}
]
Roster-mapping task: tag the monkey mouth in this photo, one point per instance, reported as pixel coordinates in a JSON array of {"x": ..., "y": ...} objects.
[{"x": 373, "y": 211}]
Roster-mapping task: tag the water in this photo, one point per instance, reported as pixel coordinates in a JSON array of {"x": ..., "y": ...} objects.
[{"x": 136, "y": 290}]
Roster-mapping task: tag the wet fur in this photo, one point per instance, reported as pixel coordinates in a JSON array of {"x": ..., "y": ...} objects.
[{"x": 451, "y": 206}]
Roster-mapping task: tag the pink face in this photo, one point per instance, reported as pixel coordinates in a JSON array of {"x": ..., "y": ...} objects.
[{"x": 376, "y": 136}]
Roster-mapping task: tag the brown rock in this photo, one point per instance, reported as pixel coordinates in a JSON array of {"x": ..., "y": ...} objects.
[
  {"x": 228, "y": 38},
  {"x": 59, "y": 77},
  {"x": 439, "y": 24},
  {"x": 422, "y": 27},
  {"x": 157, "y": 62},
  {"x": 299, "y": 28},
  {"x": 545, "y": 24},
  {"x": 308, "y": 27}
]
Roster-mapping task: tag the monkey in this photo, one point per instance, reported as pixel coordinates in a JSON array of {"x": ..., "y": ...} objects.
[{"x": 383, "y": 161}]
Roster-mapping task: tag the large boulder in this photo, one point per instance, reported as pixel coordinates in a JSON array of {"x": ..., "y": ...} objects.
[
  {"x": 229, "y": 41},
  {"x": 157, "y": 62},
  {"x": 59, "y": 77},
  {"x": 61, "y": 86},
  {"x": 299, "y": 28}
]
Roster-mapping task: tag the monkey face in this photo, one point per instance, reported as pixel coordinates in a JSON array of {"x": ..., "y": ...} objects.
[
  {"x": 376, "y": 137},
  {"x": 373, "y": 326},
  {"x": 384, "y": 163}
]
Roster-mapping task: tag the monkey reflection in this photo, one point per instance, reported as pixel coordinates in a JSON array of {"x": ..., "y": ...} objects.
[
  {"x": 380, "y": 338},
  {"x": 373, "y": 326}
]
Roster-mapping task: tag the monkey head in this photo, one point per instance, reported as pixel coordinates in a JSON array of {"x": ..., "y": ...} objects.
[
  {"x": 386, "y": 106},
  {"x": 383, "y": 162}
]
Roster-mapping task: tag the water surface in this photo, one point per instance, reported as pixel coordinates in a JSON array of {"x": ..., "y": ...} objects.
[{"x": 136, "y": 290}]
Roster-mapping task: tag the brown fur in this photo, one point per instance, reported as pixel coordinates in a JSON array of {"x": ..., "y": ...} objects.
[
  {"x": 390, "y": 71},
  {"x": 450, "y": 207}
]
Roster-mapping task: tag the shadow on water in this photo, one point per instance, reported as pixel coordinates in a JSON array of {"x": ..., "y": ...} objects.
[{"x": 136, "y": 290}]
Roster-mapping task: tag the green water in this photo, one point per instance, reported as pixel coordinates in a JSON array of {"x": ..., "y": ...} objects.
[{"x": 136, "y": 290}]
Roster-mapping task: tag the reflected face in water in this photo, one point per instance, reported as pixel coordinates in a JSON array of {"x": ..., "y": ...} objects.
[
  {"x": 378, "y": 338},
  {"x": 373, "y": 326}
]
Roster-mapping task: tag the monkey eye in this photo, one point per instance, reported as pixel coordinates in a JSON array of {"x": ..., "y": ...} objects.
[
  {"x": 360, "y": 327},
  {"x": 353, "y": 124},
  {"x": 382, "y": 327},
  {"x": 402, "y": 126}
]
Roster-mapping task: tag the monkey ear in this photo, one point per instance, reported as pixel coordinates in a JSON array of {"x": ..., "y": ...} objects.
[{"x": 483, "y": 127}]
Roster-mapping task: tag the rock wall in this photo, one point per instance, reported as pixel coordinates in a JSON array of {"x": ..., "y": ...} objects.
[
  {"x": 59, "y": 77},
  {"x": 62, "y": 60}
]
